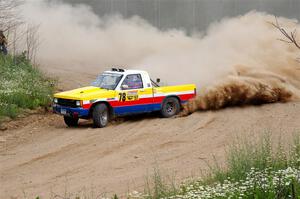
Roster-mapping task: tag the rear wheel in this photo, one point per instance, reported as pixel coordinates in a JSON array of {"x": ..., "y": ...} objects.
[
  {"x": 70, "y": 121},
  {"x": 170, "y": 107},
  {"x": 100, "y": 115}
]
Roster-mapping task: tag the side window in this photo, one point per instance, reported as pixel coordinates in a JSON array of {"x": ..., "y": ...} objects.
[{"x": 132, "y": 82}]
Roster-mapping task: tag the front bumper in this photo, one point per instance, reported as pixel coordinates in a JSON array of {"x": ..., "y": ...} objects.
[{"x": 68, "y": 111}]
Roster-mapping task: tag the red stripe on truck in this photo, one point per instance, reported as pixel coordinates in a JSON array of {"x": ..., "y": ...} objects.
[{"x": 141, "y": 101}]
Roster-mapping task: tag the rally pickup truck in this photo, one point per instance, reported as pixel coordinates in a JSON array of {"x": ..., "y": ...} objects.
[{"x": 120, "y": 92}]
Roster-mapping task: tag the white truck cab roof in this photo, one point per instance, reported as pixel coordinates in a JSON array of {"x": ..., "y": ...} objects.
[
  {"x": 144, "y": 75},
  {"x": 125, "y": 71}
]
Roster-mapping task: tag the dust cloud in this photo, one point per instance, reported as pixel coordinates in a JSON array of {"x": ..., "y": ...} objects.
[
  {"x": 236, "y": 61},
  {"x": 256, "y": 87}
]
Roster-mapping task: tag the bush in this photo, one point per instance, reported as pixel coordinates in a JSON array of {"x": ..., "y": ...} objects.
[{"x": 22, "y": 86}]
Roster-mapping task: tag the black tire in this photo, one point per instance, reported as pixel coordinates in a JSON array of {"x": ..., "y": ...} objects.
[
  {"x": 170, "y": 107},
  {"x": 100, "y": 115},
  {"x": 70, "y": 121}
]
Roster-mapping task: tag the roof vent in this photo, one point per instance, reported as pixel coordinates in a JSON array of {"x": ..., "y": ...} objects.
[{"x": 118, "y": 70}]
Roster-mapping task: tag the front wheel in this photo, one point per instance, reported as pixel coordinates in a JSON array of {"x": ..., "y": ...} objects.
[
  {"x": 70, "y": 121},
  {"x": 100, "y": 115},
  {"x": 170, "y": 107}
]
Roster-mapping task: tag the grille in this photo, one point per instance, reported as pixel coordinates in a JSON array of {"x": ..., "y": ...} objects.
[{"x": 66, "y": 102}]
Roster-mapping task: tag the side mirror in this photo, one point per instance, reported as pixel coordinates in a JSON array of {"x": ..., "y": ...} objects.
[
  {"x": 124, "y": 87},
  {"x": 158, "y": 80}
]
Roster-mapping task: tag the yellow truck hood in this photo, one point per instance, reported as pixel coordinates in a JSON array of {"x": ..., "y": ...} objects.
[{"x": 85, "y": 93}]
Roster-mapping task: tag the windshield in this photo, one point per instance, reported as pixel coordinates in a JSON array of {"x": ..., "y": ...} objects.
[{"x": 107, "y": 81}]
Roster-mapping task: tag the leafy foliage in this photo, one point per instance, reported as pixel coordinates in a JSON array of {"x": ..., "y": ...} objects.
[{"x": 22, "y": 86}]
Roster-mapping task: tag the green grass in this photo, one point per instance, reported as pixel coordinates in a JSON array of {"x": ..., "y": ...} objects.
[
  {"x": 244, "y": 155},
  {"x": 22, "y": 86},
  {"x": 256, "y": 170},
  {"x": 159, "y": 187}
]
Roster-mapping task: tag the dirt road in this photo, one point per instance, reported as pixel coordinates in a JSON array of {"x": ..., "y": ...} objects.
[{"x": 44, "y": 157}]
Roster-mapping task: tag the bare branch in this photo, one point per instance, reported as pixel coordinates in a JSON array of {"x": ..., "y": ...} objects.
[
  {"x": 9, "y": 13},
  {"x": 291, "y": 38},
  {"x": 32, "y": 41},
  {"x": 22, "y": 37},
  {"x": 286, "y": 41}
]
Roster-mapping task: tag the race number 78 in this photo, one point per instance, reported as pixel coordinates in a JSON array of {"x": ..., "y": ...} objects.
[{"x": 122, "y": 97}]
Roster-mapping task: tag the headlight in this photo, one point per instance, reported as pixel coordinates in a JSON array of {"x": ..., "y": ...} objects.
[
  {"x": 55, "y": 100},
  {"x": 78, "y": 103}
]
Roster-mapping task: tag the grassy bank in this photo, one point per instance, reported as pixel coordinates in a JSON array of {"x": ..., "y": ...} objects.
[
  {"x": 253, "y": 170},
  {"x": 22, "y": 86}
]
